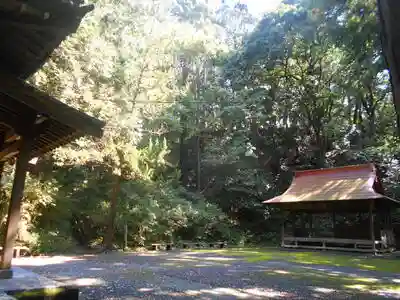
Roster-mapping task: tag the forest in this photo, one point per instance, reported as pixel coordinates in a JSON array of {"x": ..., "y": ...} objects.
[{"x": 209, "y": 111}]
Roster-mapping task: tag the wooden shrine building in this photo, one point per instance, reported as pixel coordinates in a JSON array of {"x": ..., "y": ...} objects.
[
  {"x": 338, "y": 208},
  {"x": 32, "y": 122}
]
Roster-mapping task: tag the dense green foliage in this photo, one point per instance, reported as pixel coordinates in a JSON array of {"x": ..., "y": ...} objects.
[{"x": 208, "y": 113}]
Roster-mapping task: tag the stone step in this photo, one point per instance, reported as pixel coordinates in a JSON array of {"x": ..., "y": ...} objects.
[{"x": 4, "y": 296}]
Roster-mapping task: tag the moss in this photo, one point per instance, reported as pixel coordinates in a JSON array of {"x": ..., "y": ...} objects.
[
  {"x": 46, "y": 292},
  {"x": 313, "y": 258},
  {"x": 335, "y": 280}
]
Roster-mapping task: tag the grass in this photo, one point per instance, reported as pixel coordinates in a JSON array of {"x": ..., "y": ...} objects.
[
  {"x": 336, "y": 280},
  {"x": 363, "y": 262}
]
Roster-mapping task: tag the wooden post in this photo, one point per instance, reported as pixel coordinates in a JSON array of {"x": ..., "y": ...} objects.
[
  {"x": 310, "y": 223},
  {"x": 283, "y": 232},
  {"x": 333, "y": 223},
  {"x": 303, "y": 224},
  {"x": 14, "y": 209},
  {"x": 371, "y": 224},
  {"x": 126, "y": 237}
]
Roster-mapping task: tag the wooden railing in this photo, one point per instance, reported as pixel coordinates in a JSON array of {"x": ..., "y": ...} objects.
[{"x": 331, "y": 244}]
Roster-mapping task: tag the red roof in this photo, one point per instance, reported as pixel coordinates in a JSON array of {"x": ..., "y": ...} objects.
[{"x": 359, "y": 182}]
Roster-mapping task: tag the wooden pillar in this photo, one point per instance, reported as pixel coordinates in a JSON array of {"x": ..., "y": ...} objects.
[
  {"x": 14, "y": 209},
  {"x": 371, "y": 223},
  {"x": 310, "y": 222},
  {"x": 283, "y": 230},
  {"x": 303, "y": 225},
  {"x": 333, "y": 223}
]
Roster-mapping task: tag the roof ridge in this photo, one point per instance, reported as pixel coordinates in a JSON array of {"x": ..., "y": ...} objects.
[
  {"x": 369, "y": 166},
  {"x": 318, "y": 187}
]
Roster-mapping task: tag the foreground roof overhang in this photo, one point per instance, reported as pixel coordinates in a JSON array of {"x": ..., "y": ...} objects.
[
  {"x": 32, "y": 29},
  {"x": 23, "y": 106},
  {"x": 359, "y": 182},
  {"x": 389, "y": 12}
]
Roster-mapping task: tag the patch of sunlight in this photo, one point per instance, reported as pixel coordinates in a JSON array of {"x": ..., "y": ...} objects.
[
  {"x": 215, "y": 263},
  {"x": 169, "y": 264},
  {"x": 265, "y": 293},
  {"x": 85, "y": 282},
  {"x": 171, "y": 294},
  {"x": 391, "y": 291},
  {"x": 390, "y": 287},
  {"x": 216, "y": 258},
  {"x": 281, "y": 272},
  {"x": 143, "y": 290},
  {"x": 43, "y": 293},
  {"x": 192, "y": 293},
  {"x": 44, "y": 260},
  {"x": 226, "y": 291},
  {"x": 361, "y": 287},
  {"x": 368, "y": 267},
  {"x": 396, "y": 280},
  {"x": 182, "y": 259},
  {"x": 211, "y": 258},
  {"x": 149, "y": 253},
  {"x": 323, "y": 290},
  {"x": 252, "y": 293},
  {"x": 362, "y": 279},
  {"x": 96, "y": 269}
]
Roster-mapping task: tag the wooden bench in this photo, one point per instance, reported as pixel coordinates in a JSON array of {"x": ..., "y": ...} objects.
[
  {"x": 161, "y": 246},
  {"x": 190, "y": 244},
  {"x": 219, "y": 245},
  {"x": 18, "y": 250},
  {"x": 330, "y": 244}
]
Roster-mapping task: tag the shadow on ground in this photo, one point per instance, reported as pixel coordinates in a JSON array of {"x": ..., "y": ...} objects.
[{"x": 195, "y": 275}]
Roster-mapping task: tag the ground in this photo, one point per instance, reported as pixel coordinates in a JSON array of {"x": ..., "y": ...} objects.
[{"x": 228, "y": 274}]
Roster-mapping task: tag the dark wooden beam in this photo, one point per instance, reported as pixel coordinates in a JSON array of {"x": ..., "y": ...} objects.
[
  {"x": 13, "y": 122},
  {"x": 49, "y": 106},
  {"x": 9, "y": 150},
  {"x": 14, "y": 209},
  {"x": 1, "y": 172}
]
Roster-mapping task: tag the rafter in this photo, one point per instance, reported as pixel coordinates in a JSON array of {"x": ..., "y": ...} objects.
[
  {"x": 10, "y": 149},
  {"x": 49, "y": 106}
]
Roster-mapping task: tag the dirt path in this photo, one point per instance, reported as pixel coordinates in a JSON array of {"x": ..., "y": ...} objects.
[{"x": 190, "y": 275}]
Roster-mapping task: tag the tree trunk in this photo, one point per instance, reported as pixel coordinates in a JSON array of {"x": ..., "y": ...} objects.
[
  {"x": 109, "y": 238},
  {"x": 198, "y": 164},
  {"x": 389, "y": 15},
  {"x": 183, "y": 154}
]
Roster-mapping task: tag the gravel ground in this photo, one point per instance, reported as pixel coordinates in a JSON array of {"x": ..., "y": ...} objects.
[{"x": 189, "y": 275}]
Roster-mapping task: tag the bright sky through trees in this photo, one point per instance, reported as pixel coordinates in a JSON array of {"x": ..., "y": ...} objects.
[
  {"x": 261, "y": 6},
  {"x": 255, "y": 6}
]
